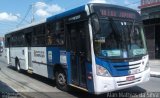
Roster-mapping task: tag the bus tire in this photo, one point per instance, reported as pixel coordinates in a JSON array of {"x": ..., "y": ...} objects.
[{"x": 61, "y": 81}]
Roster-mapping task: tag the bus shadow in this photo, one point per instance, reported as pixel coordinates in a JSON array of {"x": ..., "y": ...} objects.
[
  {"x": 135, "y": 92},
  {"x": 36, "y": 77}
]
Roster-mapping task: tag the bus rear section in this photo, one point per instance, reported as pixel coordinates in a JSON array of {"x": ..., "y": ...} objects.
[{"x": 16, "y": 50}]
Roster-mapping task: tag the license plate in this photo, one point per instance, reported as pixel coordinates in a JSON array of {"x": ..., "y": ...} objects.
[{"x": 130, "y": 78}]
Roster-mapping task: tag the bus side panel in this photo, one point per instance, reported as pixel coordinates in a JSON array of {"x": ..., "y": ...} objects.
[
  {"x": 90, "y": 84},
  {"x": 39, "y": 61},
  {"x": 18, "y": 52},
  {"x": 26, "y": 58},
  {"x": 53, "y": 57},
  {"x": 69, "y": 68},
  {"x": 7, "y": 55},
  {"x": 12, "y": 57}
]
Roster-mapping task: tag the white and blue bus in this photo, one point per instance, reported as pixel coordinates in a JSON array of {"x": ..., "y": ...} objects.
[{"x": 96, "y": 47}]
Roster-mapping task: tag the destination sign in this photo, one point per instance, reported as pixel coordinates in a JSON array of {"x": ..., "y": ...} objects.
[
  {"x": 149, "y": 3},
  {"x": 116, "y": 12}
]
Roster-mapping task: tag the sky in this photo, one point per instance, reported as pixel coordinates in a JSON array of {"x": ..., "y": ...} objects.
[{"x": 17, "y": 13}]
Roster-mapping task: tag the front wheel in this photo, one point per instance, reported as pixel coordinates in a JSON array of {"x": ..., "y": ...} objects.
[{"x": 61, "y": 81}]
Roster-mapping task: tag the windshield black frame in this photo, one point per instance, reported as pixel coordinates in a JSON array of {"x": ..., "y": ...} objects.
[{"x": 120, "y": 38}]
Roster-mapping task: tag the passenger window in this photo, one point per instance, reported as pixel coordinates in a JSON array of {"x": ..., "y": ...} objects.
[{"x": 55, "y": 33}]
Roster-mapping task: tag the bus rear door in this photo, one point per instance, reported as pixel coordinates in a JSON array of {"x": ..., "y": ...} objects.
[{"x": 29, "y": 39}]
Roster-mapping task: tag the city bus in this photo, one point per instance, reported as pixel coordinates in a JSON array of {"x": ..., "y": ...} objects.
[{"x": 96, "y": 47}]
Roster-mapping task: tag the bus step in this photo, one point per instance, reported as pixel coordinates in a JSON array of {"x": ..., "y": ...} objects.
[{"x": 30, "y": 71}]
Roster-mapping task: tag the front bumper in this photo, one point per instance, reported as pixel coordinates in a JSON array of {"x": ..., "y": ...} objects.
[{"x": 108, "y": 84}]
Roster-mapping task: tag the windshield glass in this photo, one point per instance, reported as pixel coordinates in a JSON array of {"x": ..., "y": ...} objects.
[{"x": 119, "y": 39}]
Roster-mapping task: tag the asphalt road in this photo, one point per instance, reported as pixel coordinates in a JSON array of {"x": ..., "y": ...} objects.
[
  {"x": 34, "y": 86},
  {"x": 5, "y": 88}
]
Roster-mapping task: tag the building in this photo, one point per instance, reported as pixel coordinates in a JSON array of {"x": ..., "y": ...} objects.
[
  {"x": 1, "y": 41},
  {"x": 150, "y": 10},
  {"x": 1, "y": 44}
]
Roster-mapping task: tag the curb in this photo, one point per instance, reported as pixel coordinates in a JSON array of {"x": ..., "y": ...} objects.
[{"x": 155, "y": 74}]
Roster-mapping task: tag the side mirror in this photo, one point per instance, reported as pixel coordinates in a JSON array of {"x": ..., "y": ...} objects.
[{"x": 95, "y": 23}]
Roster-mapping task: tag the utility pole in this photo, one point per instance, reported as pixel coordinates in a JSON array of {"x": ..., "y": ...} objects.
[{"x": 33, "y": 12}]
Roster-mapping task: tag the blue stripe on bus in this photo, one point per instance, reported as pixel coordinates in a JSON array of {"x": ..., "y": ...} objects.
[
  {"x": 50, "y": 72},
  {"x": 104, "y": 64},
  {"x": 112, "y": 69},
  {"x": 118, "y": 73},
  {"x": 69, "y": 68},
  {"x": 67, "y": 13},
  {"x": 90, "y": 85},
  {"x": 53, "y": 57}
]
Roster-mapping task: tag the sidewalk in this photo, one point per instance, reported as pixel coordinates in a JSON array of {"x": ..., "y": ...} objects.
[{"x": 155, "y": 68}]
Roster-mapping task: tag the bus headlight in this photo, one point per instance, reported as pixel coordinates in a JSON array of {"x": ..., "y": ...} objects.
[
  {"x": 101, "y": 71},
  {"x": 147, "y": 66}
]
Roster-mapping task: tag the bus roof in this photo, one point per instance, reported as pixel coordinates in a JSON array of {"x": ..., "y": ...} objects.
[
  {"x": 67, "y": 13},
  {"x": 52, "y": 18},
  {"x": 82, "y": 8},
  {"x": 112, "y": 5},
  {"x": 27, "y": 26}
]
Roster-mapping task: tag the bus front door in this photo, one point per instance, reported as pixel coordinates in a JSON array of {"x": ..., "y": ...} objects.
[{"x": 77, "y": 36}]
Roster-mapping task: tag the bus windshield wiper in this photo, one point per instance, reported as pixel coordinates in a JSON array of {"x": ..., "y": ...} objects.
[
  {"x": 115, "y": 29},
  {"x": 132, "y": 29}
]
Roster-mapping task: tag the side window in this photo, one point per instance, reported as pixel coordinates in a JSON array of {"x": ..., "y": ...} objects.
[
  {"x": 20, "y": 40},
  {"x": 39, "y": 35},
  {"x": 50, "y": 34},
  {"x": 13, "y": 40},
  {"x": 16, "y": 39},
  {"x": 60, "y": 33},
  {"x": 7, "y": 41},
  {"x": 55, "y": 33},
  {"x": 28, "y": 39}
]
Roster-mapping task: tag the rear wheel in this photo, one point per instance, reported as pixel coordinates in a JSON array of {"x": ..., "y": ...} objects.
[{"x": 61, "y": 81}]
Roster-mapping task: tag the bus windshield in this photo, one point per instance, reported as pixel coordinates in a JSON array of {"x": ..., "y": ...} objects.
[{"x": 119, "y": 39}]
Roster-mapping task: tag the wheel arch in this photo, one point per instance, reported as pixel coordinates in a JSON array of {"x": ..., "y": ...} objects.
[{"x": 59, "y": 67}]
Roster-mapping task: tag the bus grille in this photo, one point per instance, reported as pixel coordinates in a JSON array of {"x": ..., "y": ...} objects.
[
  {"x": 123, "y": 83},
  {"x": 127, "y": 67}
]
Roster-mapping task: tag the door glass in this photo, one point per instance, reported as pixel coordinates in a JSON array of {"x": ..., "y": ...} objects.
[
  {"x": 78, "y": 54},
  {"x": 73, "y": 50}
]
